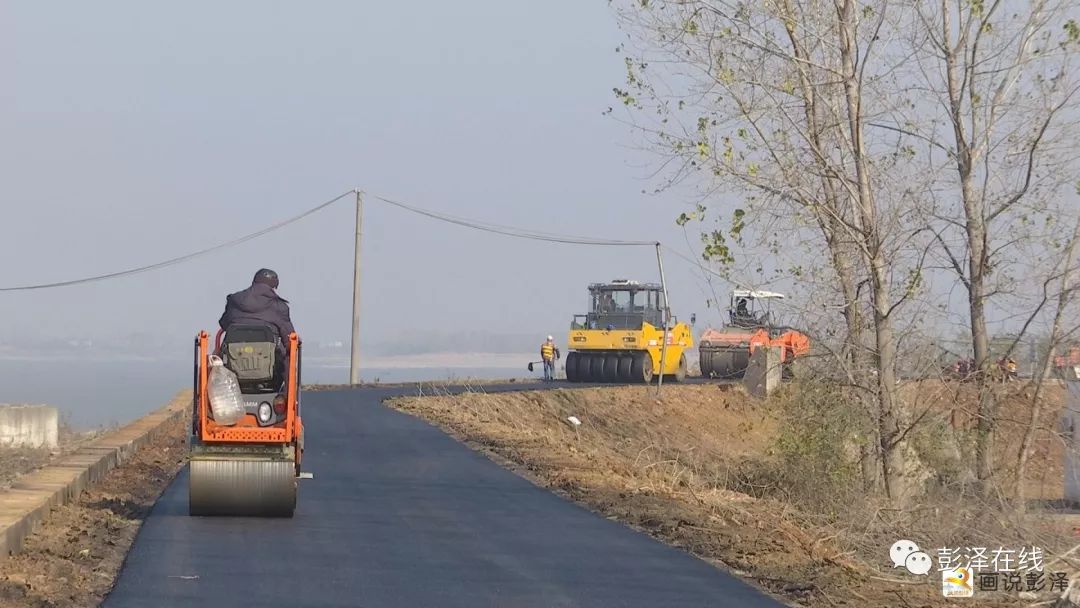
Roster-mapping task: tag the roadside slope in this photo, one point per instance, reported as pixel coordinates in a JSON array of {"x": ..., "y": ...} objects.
[
  {"x": 71, "y": 560},
  {"x": 697, "y": 469}
]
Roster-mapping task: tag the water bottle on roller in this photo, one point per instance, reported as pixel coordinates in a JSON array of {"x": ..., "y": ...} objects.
[{"x": 226, "y": 401}]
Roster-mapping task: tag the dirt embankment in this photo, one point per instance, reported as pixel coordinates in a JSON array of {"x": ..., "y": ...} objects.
[
  {"x": 73, "y": 559},
  {"x": 691, "y": 469}
]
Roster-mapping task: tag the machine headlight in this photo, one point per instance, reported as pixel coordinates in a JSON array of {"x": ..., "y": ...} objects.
[{"x": 266, "y": 412}]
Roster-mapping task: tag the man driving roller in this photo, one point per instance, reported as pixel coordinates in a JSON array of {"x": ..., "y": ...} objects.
[{"x": 261, "y": 305}]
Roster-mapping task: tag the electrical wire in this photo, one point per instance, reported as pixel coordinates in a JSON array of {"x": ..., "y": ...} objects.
[
  {"x": 514, "y": 231},
  {"x": 690, "y": 260},
  {"x": 183, "y": 258},
  {"x": 511, "y": 231}
]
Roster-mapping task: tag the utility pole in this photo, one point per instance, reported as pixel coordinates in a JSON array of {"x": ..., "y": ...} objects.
[
  {"x": 667, "y": 320},
  {"x": 354, "y": 362}
]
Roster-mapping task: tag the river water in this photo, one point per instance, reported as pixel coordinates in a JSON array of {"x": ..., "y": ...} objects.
[{"x": 95, "y": 393}]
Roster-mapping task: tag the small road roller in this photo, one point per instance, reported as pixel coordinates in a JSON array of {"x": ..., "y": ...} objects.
[
  {"x": 621, "y": 338},
  {"x": 250, "y": 467},
  {"x": 725, "y": 353}
]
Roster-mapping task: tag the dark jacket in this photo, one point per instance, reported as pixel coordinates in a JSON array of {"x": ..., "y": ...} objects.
[{"x": 258, "y": 304}]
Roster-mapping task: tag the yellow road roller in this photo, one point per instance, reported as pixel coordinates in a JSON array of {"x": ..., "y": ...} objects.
[{"x": 620, "y": 339}]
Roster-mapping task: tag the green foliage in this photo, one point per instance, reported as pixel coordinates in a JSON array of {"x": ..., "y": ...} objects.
[
  {"x": 738, "y": 222},
  {"x": 1072, "y": 31},
  {"x": 626, "y": 98},
  {"x": 698, "y": 214},
  {"x": 716, "y": 248},
  {"x": 817, "y": 444},
  {"x": 914, "y": 282},
  {"x": 939, "y": 449}
]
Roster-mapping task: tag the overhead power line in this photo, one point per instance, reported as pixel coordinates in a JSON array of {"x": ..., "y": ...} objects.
[
  {"x": 514, "y": 231},
  {"x": 183, "y": 258},
  {"x": 511, "y": 231},
  {"x": 694, "y": 262}
]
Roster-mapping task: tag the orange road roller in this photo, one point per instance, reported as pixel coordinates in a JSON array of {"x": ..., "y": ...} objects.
[{"x": 247, "y": 462}]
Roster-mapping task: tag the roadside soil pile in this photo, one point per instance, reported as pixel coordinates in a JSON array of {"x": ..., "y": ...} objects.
[
  {"x": 73, "y": 559},
  {"x": 697, "y": 469}
]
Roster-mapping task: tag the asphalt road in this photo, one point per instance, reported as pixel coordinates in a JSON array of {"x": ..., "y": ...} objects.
[{"x": 399, "y": 514}]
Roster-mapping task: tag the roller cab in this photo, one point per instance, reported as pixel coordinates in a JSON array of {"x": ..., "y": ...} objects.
[
  {"x": 249, "y": 468},
  {"x": 621, "y": 338}
]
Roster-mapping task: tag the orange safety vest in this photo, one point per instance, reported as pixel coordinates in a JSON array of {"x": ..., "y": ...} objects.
[{"x": 547, "y": 351}]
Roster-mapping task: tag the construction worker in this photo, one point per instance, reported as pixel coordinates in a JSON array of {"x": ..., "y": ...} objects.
[{"x": 549, "y": 353}]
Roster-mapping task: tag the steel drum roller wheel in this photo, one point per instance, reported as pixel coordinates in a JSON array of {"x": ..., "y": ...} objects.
[{"x": 242, "y": 487}]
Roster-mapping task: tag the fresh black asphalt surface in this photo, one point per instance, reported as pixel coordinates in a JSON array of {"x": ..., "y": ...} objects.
[{"x": 399, "y": 514}]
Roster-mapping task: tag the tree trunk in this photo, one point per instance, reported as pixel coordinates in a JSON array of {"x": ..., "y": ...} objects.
[
  {"x": 975, "y": 229},
  {"x": 980, "y": 341},
  {"x": 1044, "y": 371},
  {"x": 829, "y": 218},
  {"x": 890, "y": 418}
]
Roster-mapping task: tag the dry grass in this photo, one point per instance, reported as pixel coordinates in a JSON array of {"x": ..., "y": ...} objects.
[
  {"x": 735, "y": 482},
  {"x": 469, "y": 383}
]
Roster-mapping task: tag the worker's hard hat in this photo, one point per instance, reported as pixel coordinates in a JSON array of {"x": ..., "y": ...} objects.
[{"x": 550, "y": 338}]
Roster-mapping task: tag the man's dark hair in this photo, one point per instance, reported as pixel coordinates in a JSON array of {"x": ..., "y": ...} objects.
[{"x": 267, "y": 277}]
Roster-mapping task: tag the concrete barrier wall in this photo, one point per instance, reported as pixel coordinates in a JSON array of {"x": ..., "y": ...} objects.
[
  {"x": 29, "y": 426},
  {"x": 763, "y": 374},
  {"x": 32, "y": 497}
]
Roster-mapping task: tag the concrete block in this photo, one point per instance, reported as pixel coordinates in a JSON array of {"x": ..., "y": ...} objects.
[
  {"x": 1070, "y": 426},
  {"x": 29, "y": 426},
  {"x": 763, "y": 373}
]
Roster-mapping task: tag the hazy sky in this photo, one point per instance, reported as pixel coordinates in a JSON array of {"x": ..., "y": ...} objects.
[{"x": 134, "y": 132}]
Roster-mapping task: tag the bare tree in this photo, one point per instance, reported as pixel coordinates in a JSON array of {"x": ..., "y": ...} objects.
[
  {"x": 998, "y": 85},
  {"x": 774, "y": 100},
  {"x": 1066, "y": 293}
]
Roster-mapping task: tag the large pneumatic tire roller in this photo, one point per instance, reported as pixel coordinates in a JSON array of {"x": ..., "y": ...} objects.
[
  {"x": 250, "y": 466},
  {"x": 572, "y": 366}
]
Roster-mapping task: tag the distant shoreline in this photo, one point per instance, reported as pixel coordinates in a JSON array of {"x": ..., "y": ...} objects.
[{"x": 425, "y": 360}]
